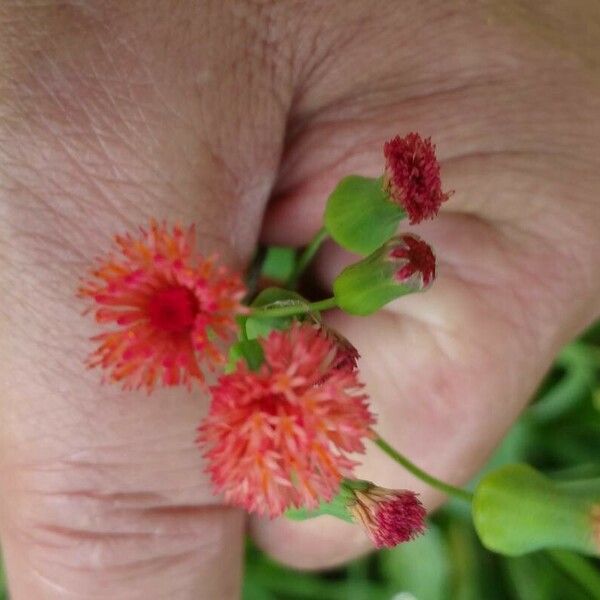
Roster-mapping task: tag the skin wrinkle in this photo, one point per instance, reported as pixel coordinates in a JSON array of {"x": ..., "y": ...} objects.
[
  {"x": 69, "y": 537},
  {"x": 333, "y": 44},
  {"x": 76, "y": 172},
  {"x": 123, "y": 513},
  {"x": 357, "y": 31},
  {"x": 582, "y": 274},
  {"x": 123, "y": 572},
  {"x": 322, "y": 126},
  {"x": 522, "y": 315},
  {"x": 177, "y": 564},
  {"x": 113, "y": 205},
  {"x": 544, "y": 22},
  {"x": 273, "y": 50},
  {"x": 452, "y": 344}
]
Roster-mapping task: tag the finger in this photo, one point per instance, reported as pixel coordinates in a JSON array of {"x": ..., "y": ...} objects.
[
  {"x": 447, "y": 372},
  {"x": 111, "y": 115}
]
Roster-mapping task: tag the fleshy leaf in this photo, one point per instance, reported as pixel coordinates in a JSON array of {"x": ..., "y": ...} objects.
[
  {"x": 359, "y": 216},
  {"x": 248, "y": 350},
  {"x": 517, "y": 510}
]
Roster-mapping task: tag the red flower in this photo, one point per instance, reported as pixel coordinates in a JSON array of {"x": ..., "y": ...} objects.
[
  {"x": 390, "y": 517},
  {"x": 169, "y": 305},
  {"x": 412, "y": 176},
  {"x": 279, "y": 437},
  {"x": 414, "y": 259}
]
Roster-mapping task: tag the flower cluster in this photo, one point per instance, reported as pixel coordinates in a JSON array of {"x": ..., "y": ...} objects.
[{"x": 290, "y": 416}]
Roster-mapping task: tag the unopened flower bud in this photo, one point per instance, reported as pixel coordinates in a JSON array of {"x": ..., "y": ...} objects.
[
  {"x": 390, "y": 517},
  {"x": 403, "y": 265},
  {"x": 517, "y": 510}
]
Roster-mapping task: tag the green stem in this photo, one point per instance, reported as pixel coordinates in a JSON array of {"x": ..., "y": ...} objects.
[
  {"x": 579, "y": 569},
  {"x": 243, "y": 331},
  {"x": 422, "y": 475},
  {"x": 294, "y": 309},
  {"x": 306, "y": 256},
  {"x": 254, "y": 270}
]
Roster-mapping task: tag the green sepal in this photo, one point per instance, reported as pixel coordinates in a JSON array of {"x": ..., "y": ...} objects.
[
  {"x": 278, "y": 297},
  {"x": 272, "y": 298},
  {"x": 337, "y": 507},
  {"x": 366, "y": 286},
  {"x": 333, "y": 509},
  {"x": 359, "y": 216},
  {"x": 517, "y": 510},
  {"x": 249, "y": 351},
  {"x": 279, "y": 263},
  {"x": 248, "y": 348}
]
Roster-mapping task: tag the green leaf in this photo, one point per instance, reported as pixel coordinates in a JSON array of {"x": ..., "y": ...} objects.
[
  {"x": 335, "y": 508},
  {"x": 580, "y": 570},
  {"x": 272, "y": 297},
  {"x": 277, "y": 297},
  {"x": 574, "y": 387},
  {"x": 517, "y": 510},
  {"x": 279, "y": 263},
  {"x": 248, "y": 350},
  {"x": 526, "y": 577},
  {"x": 359, "y": 217}
]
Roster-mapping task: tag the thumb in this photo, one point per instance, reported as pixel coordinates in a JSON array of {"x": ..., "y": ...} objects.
[{"x": 110, "y": 116}]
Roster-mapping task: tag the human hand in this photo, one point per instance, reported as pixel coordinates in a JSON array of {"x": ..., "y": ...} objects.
[{"x": 111, "y": 115}]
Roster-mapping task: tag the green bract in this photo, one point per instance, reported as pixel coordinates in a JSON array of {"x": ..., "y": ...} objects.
[
  {"x": 250, "y": 351},
  {"x": 359, "y": 216},
  {"x": 517, "y": 510},
  {"x": 248, "y": 348},
  {"x": 337, "y": 507},
  {"x": 272, "y": 298},
  {"x": 366, "y": 286}
]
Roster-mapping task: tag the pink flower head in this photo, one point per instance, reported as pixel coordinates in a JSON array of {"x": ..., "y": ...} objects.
[
  {"x": 279, "y": 437},
  {"x": 412, "y": 176},
  {"x": 169, "y": 305},
  {"x": 414, "y": 261},
  {"x": 390, "y": 517}
]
